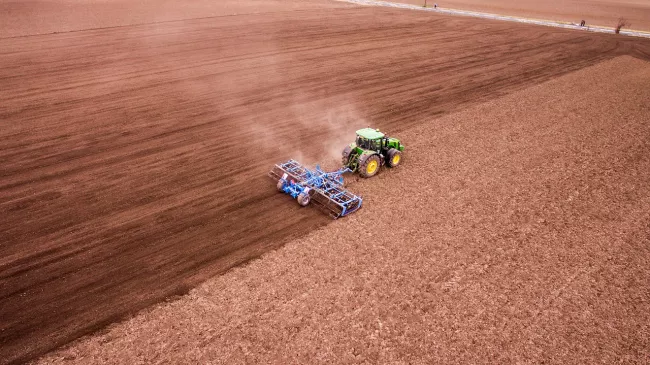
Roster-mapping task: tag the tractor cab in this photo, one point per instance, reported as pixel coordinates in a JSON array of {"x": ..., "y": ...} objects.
[{"x": 371, "y": 139}]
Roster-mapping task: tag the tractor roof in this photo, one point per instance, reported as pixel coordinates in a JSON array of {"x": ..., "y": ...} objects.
[{"x": 370, "y": 133}]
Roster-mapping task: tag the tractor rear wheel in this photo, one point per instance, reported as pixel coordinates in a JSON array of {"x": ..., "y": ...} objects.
[
  {"x": 394, "y": 157},
  {"x": 303, "y": 199},
  {"x": 347, "y": 151},
  {"x": 280, "y": 185},
  {"x": 369, "y": 166}
]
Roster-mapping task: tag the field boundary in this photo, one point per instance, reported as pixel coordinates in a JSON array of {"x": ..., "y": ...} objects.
[{"x": 510, "y": 18}]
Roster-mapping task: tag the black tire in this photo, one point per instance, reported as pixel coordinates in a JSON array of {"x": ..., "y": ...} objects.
[
  {"x": 393, "y": 157},
  {"x": 303, "y": 199},
  {"x": 347, "y": 151},
  {"x": 367, "y": 162}
]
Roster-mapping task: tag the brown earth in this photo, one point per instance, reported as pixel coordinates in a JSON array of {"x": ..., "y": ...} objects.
[
  {"x": 595, "y": 12},
  {"x": 29, "y": 17},
  {"x": 516, "y": 231},
  {"x": 133, "y": 158}
]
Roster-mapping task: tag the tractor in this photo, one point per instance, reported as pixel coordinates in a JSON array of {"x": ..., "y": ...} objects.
[{"x": 371, "y": 150}]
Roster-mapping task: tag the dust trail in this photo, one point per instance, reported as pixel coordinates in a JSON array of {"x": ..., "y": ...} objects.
[
  {"x": 335, "y": 123},
  {"x": 323, "y": 129}
]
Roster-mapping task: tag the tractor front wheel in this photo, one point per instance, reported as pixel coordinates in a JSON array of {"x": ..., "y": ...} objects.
[
  {"x": 394, "y": 157},
  {"x": 369, "y": 166}
]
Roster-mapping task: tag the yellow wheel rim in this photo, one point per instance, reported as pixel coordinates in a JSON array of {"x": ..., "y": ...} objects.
[
  {"x": 396, "y": 159},
  {"x": 372, "y": 167}
]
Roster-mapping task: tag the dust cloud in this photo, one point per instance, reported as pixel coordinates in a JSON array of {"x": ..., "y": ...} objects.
[{"x": 335, "y": 122}]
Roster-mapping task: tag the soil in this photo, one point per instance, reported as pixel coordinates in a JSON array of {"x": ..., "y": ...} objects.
[
  {"x": 595, "y": 12},
  {"x": 133, "y": 158},
  {"x": 30, "y": 17},
  {"x": 516, "y": 231}
]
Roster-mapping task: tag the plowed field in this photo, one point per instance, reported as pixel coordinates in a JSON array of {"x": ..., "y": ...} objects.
[
  {"x": 133, "y": 158},
  {"x": 516, "y": 231}
]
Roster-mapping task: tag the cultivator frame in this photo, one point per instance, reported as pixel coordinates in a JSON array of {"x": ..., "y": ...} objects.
[{"x": 325, "y": 189}]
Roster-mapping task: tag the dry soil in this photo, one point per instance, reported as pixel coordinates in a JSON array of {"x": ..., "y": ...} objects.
[
  {"x": 133, "y": 158},
  {"x": 517, "y": 231}
]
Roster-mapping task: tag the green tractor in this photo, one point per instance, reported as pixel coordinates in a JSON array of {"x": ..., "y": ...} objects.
[{"x": 371, "y": 150}]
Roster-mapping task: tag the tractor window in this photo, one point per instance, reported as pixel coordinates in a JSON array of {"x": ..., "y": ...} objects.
[
  {"x": 363, "y": 143},
  {"x": 369, "y": 144},
  {"x": 375, "y": 145}
]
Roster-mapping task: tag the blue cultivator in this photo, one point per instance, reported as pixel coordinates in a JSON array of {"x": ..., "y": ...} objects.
[{"x": 325, "y": 189}]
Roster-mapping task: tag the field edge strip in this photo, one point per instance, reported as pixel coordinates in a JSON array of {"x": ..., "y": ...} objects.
[{"x": 548, "y": 23}]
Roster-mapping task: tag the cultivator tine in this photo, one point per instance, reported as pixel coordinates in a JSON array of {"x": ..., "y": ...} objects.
[
  {"x": 277, "y": 172},
  {"x": 327, "y": 205},
  {"x": 291, "y": 168},
  {"x": 338, "y": 205}
]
